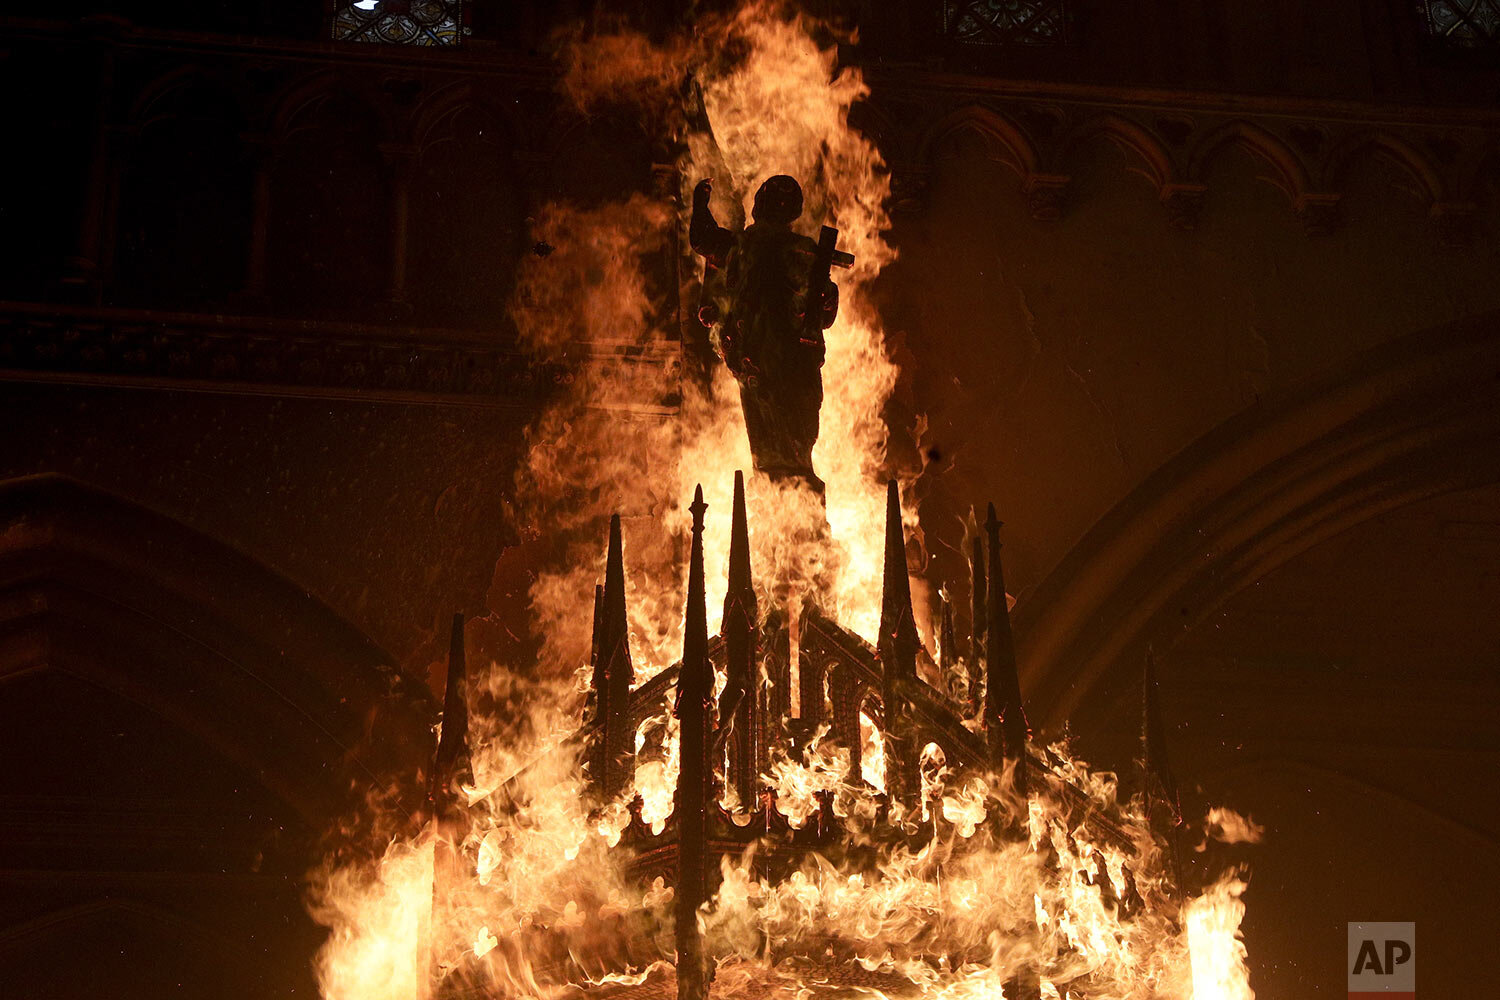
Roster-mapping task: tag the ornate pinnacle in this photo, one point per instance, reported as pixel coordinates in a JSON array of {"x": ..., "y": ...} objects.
[
  {"x": 896, "y": 622},
  {"x": 738, "y": 710},
  {"x": 614, "y": 669},
  {"x": 596, "y": 683},
  {"x": 694, "y": 693},
  {"x": 978, "y": 611},
  {"x": 898, "y": 658},
  {"x": 947, "y": 640},
  {"x": 451, "y": 761},
  {"x": 1004, "y": 715},
  {"x": 741, "y": 593}
]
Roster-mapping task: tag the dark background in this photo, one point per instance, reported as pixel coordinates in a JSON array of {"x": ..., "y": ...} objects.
[{"x": 1201, "y": 294}]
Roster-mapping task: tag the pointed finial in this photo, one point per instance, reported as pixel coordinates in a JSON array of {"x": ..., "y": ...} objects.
[
  {"x": 992, "y": 524},
  {"x": 698, "y": 507},
  {"x": 739, "y": 542},
  {"x": 895, "y": 613},
  {"x": 453, "y": 743},
  {"x": 1004, "y": 713}
]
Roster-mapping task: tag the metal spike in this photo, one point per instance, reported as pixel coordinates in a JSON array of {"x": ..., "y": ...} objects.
[
  {"x": 694, "y": 700},
  {"x": 1004, "y": 714}
]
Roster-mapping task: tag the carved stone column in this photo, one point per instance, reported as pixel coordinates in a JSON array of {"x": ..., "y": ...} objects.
[
  {"x": 81, "y": 267},
  {"x": 263, "y": 160},
  {"x": 401, "y": 163}
]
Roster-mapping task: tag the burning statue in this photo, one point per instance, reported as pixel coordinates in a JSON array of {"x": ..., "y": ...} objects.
[
  {"x": 768, "y": 293},
  {"x": 830, "y": 821}
]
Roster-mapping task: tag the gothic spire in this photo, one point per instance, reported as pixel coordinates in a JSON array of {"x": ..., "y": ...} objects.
[
  {"x": 451, "y": 761},
  {"x": 694, "y": 778},
  {"x": 978, "y": 610},
  {"x": 1004, "y": 715},
  {"x": 898, "y": 659},
  {"x": 896, "y": 620},
  {"x": 615, "y": 750},
  {"x": 738, "y": 708}
]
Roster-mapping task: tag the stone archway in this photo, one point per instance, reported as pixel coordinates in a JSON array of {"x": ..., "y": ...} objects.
[
  {"x": 1409, "y": 420},
  {"x": 181, "y": 726}
]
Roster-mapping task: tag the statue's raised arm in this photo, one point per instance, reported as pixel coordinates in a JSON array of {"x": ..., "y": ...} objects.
[{"x": 708, "y": 239}]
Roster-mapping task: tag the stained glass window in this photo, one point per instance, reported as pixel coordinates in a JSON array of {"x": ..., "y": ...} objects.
[
  {"x": 400, "y": 22},
  {"x": 1006, "y": 22},
  {"x": 1471, "y": 23}
]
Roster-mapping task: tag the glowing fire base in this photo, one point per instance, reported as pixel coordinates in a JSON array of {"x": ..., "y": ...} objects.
[{"x": 879, "y": 835}]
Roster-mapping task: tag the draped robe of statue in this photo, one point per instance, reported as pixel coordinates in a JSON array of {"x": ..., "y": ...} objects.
[{"x": 757, "y": 298}]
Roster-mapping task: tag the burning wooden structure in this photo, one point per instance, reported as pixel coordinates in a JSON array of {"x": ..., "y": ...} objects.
[{"x": 784, "y": 684}]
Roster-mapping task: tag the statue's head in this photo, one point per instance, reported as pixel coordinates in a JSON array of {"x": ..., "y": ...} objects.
[{"x": 779, "y": 201}]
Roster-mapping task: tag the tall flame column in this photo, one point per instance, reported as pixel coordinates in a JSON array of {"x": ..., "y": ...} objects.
[{"x": 694, "y": 707}]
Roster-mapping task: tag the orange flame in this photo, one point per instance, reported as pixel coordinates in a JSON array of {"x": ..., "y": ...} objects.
[{"x": 536, "y": 893}]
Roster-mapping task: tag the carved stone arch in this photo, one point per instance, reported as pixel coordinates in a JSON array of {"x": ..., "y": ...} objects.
[
  {"x": 304, "y": 95},
  {"x": 1479, "y": 180},
  {"x": 878, "y": 126},
  {"x": 67, "y": 919},
  {"x": 442, "y": 104},
  {"x": 1289, "y": 175},
  {"x": 1400, "y": 423},
  {"x": 218, "y": 646},
  {"x": 1155, "y": 163},
  {"x": 1016, "y": 149},
  {"x": 591, "y": 160},
  {"x": 1412, "y": 161},
  {"x": 152, "y": 102},
  {"x": 188, "y": 955},
  {"x": 468, "y": 207},
  {"x": 182, "y": 206}
]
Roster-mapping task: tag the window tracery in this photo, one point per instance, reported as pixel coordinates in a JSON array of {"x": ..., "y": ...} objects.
[
  {"x": 400, "y": 22},
  {"x": 1006, "y": 22},
  {"x": 1467, "y": 23}
]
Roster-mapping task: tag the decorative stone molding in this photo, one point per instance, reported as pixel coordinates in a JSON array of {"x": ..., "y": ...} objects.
[
  {"x": 1455, "y": 221},
  {"x": 1045, "y": 194},
  {"x": 1175, "y": 140},
  {"x": 1183, "y": 202},
  {"x": 265, "y": 356},
  {"x": 1319, "y": 213}
]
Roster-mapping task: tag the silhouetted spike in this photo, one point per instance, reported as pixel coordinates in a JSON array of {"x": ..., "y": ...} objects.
[
  {"x": 895, "y": 609},
  {"x": 618, "y": 748},
  {"x": 740, "y": 584},
  {"x": 737, "y": 703},
  {"x": 694, "y": 777},
  {"x": 596, "y": 680},
  {"x": 450, "y": 766},
  {"x": 1156, "y": 772},
  {"x": 695, "y": 638},
  {"x": 947, "y": 642},
  {"x": 1004, "y": 714},
  {"x": 978, "y": 611},
  {"x": 898, "y": 660},
  {"x": 614, "y": 583},
  {"x": 451, "y": 762}
]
